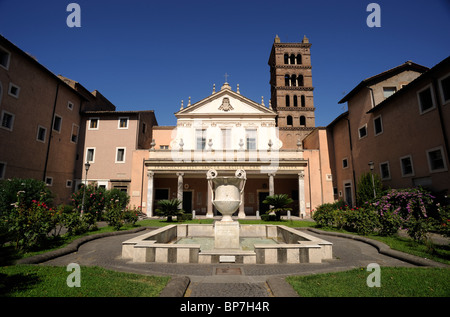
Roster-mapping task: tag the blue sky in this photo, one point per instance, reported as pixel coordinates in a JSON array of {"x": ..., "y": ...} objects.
[{"x": 149, "y": 55}]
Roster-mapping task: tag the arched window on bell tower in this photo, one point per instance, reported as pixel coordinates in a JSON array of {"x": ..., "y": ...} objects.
[
  {"x": 302, "y": 121},
  {"x": 295, "y": 101},
  {"x": 300, "y": 80},
  {"x": 302, "y": 101},
  {"x": 288, "y": 101},
  {"x": 294, "y": 80},
  {"x": 286, "y": 59},
  {"x": 289, "y": 120},
  {"x": 292, "y": 59},
  {"x": 287, "y": 80},
  {"x": 299, "y": 59}
]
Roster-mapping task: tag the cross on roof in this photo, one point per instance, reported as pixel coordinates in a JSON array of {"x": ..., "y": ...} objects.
[{"x": 226, "y": 77}]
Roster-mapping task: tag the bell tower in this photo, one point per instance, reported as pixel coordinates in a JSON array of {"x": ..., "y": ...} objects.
[{"x": 291, "y": 90}]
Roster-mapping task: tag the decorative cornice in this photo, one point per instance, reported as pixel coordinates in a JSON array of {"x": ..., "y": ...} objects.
[
  {"x": 295, "y": 109},
  {"x": 304, "y": 45},
  {"x": 297, "y": 128},
  {"x": 294, "y": 66},
  {"x": 303, "y": 88}
]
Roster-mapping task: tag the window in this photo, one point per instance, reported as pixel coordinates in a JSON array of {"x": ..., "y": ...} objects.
[
  {"x": 161, "y": 193},
  {"x": 302, "y": 120},
  {"x": 123, "y": 123},
  {"x": 4, "y": 58},
  {"x": 163, "y": 147},
  {"x": 389, "y": 91},
  {"x": 13, "y": 90},
  {"x": 426, "y": 99},
  {"x": 226, "y": 139},
  {"x": 49, "y": 181},
  {"x": 444, "y": 85},
  {"x": 144, "y": 127},
  {"x": 385, "y": 171},
  {"x": 345, "y": 163},
  {"x": 362, "y": 132},
  {"x": 93, "y": 123},
  {"x": 287, "y": 80},
  {"x": 57, "y": 123},
  {"x": 41, "y": 133},
  {"x": 120, "y": 155},
  {"x": 251, "y": 139},
  {"x": 377, "y": 125},
  {"x": 294, "y": 80},
  {"x": 7, "y": 120},
  {"x": 300, "y": 80},
  {"x": 299, "y": 59},
  {"x": 70, "y": 105},
  {"x": 69, "y": 183},
  {"x": 407, "y": 166},
  {"x": 2, "y": 170},
  {"x": 74, "y": 136},
  {"x": 90, "y": 155},
  {"x": 436, "y": 161},
  {"x": 200, "y": 139},
  {"x": 286, "y": 59},
  {"x": 289, "y": 120},
  {"x": 295, "y": 101},
  {"x": 303, "y": 101},
  {"x": 288, "y": 101},
  {"x": 292, "y": 59}
]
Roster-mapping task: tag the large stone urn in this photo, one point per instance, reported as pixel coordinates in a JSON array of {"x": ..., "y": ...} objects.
[
  {"x": 226, "y": 197},
  {"x": 226, "y": 192}
]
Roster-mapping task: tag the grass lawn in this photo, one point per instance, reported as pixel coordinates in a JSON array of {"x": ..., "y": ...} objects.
[
  {"x": 395, "y": 282},
  {"x": 49, "y": 281}
]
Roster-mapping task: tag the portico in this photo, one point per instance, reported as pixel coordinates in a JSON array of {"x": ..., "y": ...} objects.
[{"x": 187, "y": 182}]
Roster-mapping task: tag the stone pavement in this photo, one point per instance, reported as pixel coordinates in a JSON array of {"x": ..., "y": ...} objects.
[{"x": 229, "y": 280}]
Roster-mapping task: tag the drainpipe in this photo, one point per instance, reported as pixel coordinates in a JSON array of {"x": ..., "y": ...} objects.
[
  {"x": 441, "y": 120},
  {"x": 351, "y": 156},
  {"x": 51, "y": 132}
]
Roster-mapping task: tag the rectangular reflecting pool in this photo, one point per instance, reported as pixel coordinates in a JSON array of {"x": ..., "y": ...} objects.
[
  {"x": 207, "y": 243},
  {"x": 259, "y": 244}
]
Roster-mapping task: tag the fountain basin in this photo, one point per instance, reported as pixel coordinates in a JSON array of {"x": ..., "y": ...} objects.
[{"x": 287, "y": 245}]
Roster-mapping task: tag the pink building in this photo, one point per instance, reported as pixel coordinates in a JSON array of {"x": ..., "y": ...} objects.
[
  {"x": 399, "y": 120},
  {"x": 40, "y": 121}
]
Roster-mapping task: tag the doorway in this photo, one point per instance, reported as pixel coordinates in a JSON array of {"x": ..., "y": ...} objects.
[
  {"x": 348, "y": 194},
  {"x": 187, "y": 201},
  {"x": 262, "y": 207}
]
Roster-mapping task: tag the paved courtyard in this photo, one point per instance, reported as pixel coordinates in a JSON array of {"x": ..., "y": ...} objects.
[{"x": 234, "y": 280}]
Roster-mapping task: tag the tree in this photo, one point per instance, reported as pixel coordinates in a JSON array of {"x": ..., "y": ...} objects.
[
  {"x": 169, "y": 208},
  {"x": 278, "y": 203},
  {"x": 365, "y": 192}
]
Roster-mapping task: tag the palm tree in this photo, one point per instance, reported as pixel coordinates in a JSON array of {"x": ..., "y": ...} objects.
[
  {"x": 169, "y": 208},
  {"x": 278, "y": 203}
]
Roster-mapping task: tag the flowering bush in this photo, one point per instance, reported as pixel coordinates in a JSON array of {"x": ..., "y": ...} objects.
[
  {"x": 407, "y": 209},
  {"x": 30, "y": 226},
  {"x": 94, "y": 203}
]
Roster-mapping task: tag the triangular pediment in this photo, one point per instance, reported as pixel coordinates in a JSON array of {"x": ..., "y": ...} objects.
[{"x": 225, "y": 103}]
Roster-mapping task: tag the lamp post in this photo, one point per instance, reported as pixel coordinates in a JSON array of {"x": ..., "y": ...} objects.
[
  {"x": 86, "y": 167},
  {"x": 371, "y": 166}
]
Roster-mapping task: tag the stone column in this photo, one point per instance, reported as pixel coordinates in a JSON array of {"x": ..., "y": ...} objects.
[
  {"x": 271, "y": 185},
  {"x": 209, "y": 208},
  {"x": 180, "y": 188},
  {"x": 150, "y": 191},
  {"x": 301, "y": 194}
]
